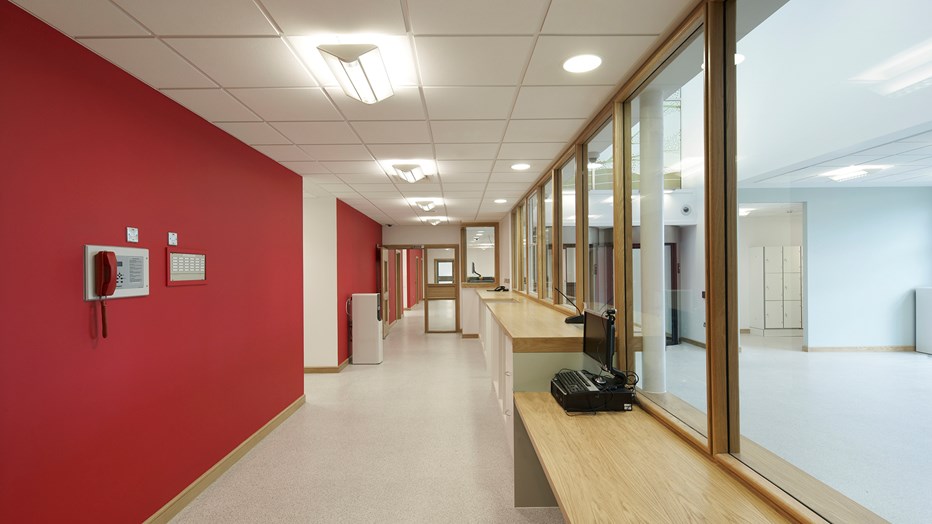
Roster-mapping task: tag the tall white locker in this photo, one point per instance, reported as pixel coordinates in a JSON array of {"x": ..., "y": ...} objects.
[
  {"x": 367, "y": 329},
  {"x": 775, "y": 280}
]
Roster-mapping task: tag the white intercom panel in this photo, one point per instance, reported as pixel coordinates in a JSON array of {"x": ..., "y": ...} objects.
[{"x": 132, "y": 272}]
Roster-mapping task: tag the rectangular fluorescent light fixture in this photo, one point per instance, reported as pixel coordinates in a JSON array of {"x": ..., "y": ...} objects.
[
  {"x": 359, "y": 70},
  {"x": 852, "y": 172},
  {"x": 410, "y": 173}
]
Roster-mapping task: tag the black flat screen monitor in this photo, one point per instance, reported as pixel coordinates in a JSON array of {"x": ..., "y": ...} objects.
[{"x": 599, "y": 339}]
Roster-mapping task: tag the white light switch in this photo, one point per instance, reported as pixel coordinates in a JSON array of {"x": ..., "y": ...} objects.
[
  {"x": 172, "y": 238},
  {"x": 132, "y": 234}
]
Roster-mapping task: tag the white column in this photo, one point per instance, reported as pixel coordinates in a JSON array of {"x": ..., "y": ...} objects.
[{"x": 654, "y": 370}]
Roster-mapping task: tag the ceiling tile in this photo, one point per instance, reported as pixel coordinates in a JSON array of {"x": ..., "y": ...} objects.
[
  {"x": 464, "y": 177},
  {"x": 467, "y": 131},
  {"x": 360, "y": 167},
  {"x": 338, "y": 152},
  {"x": 326, "y": 180},
  {"x": 253, "y": 133},
  {"x": 306, "y": 168},
  {"x": 560, "y": 101},
  {"x": 551, "y": 130},
  {"x": 317, "y": 132},
  {"x": 464, "y": 166},
  {"x": 466, "y": 151},
  {"x": 395, "y": 151},
  {"x": 507, "y": 186},
  {"x": 245, "y": 62},
  {"x": 464, "y": 60},
  {"x": 620, "y": 54},
  {"x": 537, "y": 167},
  {"x": 300, "y": 17},
  {"x": 477, "y": 17},
  {"x": 452, "y": 188},
  {"x": 405, "y": 104},
  {"x": 524, "y": 151},
  {"x": 377, "y": 187},
  {"x": 283, "y": 153},
  {"x": 524, "y": 177},
  {"x": 469, "y": 103},
  {"x": 149, "y": 60},
  {"x": 393, "y": 132},
  {"x": 85, "y": 18},
  {"x": 611, "y": 17},
  {"x": 353, "y": 179},
  {"x": 289, "y": 104},
  {"x": 464, "y": 194},
  {"x": 184, "y": 17},
  {"x": 214, "y": 105}
]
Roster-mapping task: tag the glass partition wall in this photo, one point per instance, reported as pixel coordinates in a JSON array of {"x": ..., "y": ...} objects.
[
  {"x": 548, "y": 240},
  {"x": 533, "y": 258},
  {"x": 667, "y": 243},
  {"x": 600, "y": 219},
  {"x": 834, "y": 213},
  {"x": 775, "y": 212},
  {"x": 568, "y": 232}
]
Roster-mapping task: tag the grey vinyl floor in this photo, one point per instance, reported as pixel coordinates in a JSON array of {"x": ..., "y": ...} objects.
[
  {"x": 860, "y": 422},
  {"x": 417, "y": 438}
]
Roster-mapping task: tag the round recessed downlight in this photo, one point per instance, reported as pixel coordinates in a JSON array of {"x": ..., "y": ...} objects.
[
  {"x": 582, "y": 63},
  {"x": 521, "y": 167},
  {"x": 500, "y": 201}
]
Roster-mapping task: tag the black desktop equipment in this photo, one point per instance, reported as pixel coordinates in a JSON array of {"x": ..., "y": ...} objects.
[
  {"x": 578, "y": 319},
  {"x": 581, "y": 391}
]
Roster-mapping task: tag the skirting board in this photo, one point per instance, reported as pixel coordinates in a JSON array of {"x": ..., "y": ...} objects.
[
  {"x": 874, "y": 349},
  {"x": 470, "y": 335},
  {"x": 335, "y": 369},
  {"x": 693, "y": 342},
  {"x": 745, "y": 331},
  {"x": 175, "y": 505}
]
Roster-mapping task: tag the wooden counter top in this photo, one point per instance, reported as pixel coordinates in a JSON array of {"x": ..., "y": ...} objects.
[
  {"x": 628, "y": 467},
  {"x": 533, "y": 327}
]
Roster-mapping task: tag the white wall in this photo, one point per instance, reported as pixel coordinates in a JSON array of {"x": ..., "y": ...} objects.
[
  {"x": 865, "y": 251},
  {"x": 484, "y": 259},
  {"x": 320, "y": 282},
  {"x": 763, "y": 231},
  {"x": 420, "y": 235}
]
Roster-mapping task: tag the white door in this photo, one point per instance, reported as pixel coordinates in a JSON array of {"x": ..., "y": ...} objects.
[
  {"x": 792, "y": 287},
  {"x": 792, "y": 261},
  {"x": 773, "y": 259},
  {"x": 773, "y": 286}
]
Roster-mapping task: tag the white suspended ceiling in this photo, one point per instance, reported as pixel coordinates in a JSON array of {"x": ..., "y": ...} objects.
[{"x": 485, "y": 88}]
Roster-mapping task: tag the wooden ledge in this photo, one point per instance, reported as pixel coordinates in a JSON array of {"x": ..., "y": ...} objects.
[
  {"x": 533, "y": 327},
  {"x": 628, "y": 467}
]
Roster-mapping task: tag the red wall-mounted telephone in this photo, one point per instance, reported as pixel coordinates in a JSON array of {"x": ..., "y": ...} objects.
[{"x": 105, "y": 271}]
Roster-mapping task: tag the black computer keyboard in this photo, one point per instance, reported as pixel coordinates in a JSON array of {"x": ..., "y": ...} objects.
[{"x": 575, "y": 382}]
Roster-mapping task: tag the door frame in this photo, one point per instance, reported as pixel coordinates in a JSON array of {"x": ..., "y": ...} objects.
[{"x": 456, "y": 286}]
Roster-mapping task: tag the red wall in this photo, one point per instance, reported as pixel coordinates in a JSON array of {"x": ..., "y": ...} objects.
[
  {"x": 358, "y": 238},
  {"x": 109, "y": 430},
  {"x": 413, "y": 276}
]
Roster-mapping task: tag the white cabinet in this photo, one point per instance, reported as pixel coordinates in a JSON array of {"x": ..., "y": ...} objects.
[
  {"x": 776, "y": 293},
  {"x": 924, "y": 320}
]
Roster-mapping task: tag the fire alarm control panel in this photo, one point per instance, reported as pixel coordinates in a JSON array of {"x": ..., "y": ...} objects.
[{"x": 186, "y": 267}]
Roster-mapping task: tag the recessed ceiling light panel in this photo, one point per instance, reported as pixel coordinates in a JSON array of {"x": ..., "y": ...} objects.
[
  {"x": 359, "y": 70},
  {"x": 582, "y": 63},
  {"x": 521, "y": 167},
  {"x": 500, "y": 201}
]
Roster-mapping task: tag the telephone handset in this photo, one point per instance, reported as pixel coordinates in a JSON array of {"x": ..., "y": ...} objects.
[{"x": 105, "y": 271}]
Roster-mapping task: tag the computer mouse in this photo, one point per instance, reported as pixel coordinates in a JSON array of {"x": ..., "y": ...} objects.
[{"x": 599, "y": 380}]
